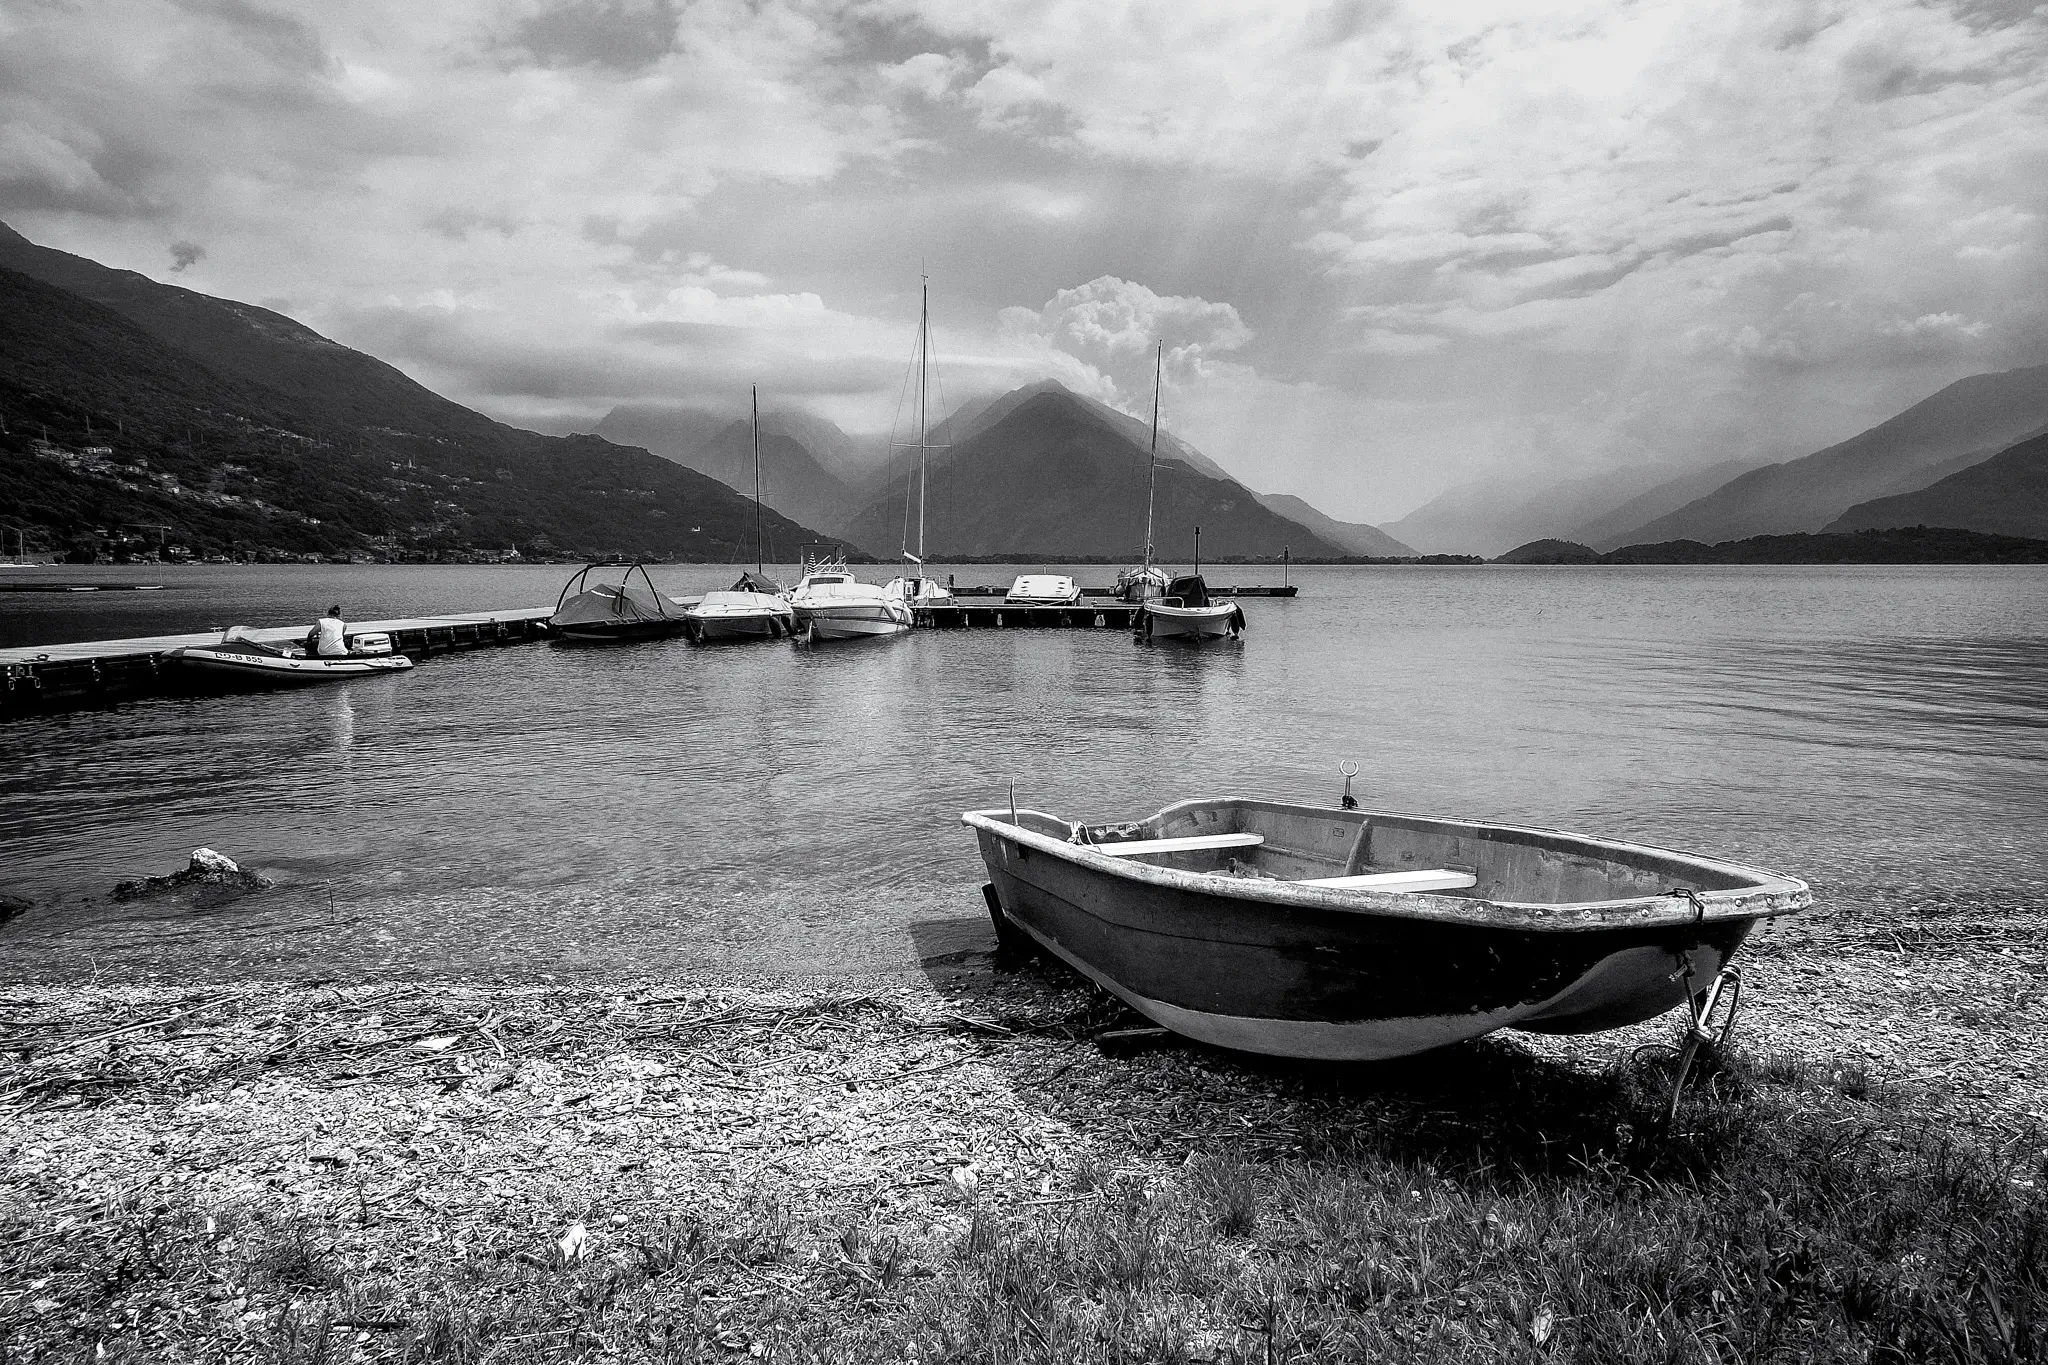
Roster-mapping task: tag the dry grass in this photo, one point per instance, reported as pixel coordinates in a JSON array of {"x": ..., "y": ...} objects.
[{"x": 394, "y": 1173}]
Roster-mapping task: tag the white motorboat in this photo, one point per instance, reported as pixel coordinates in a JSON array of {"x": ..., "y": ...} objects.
[
  {"x": 753, "y": 608},
  {"x": 238, "y": 660},
  {"x": 1188, "y": 612},
  {"x": 1043, "y": 590},
  {"x": 831, "y": 604}
]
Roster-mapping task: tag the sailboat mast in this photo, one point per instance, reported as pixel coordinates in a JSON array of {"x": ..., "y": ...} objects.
[
  {"x": 924, "y": 352},
  {"x": 1152, "y": 475},
  {"x": 759, "y": 567}
]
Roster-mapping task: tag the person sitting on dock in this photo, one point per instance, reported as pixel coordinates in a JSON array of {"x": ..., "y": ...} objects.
[{"x": 328, "y": 641}]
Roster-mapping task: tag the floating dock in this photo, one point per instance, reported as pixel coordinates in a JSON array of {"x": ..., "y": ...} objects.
[
  {"x": 1249, "y": 590},
  {"x": 92, "y": 673},
  {"x": 1105, "y": 614}
]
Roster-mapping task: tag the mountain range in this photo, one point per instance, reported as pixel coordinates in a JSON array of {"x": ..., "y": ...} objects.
[
  {"x": 793, "y": 481},
  {"x": 1045, "y": 471},
  {"x": 135, "y": 409},
  {"x": 2004, "y": 495},
  {"x": 1964, "y": 424},
  {"x": 860, "y": 491},
  {"x": 1960, "y": 427},
  {"x": 1352, "y": 537}
]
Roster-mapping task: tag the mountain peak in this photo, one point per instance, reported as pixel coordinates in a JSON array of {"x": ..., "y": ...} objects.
[{"x": 1047, "y": 471}]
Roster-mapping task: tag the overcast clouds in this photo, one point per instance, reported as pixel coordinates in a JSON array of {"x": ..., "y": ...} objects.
[{"x": 1389, "y": 247}]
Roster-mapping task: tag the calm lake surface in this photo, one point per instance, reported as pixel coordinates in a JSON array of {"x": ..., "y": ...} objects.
[{"x": 1882, "y": 732}]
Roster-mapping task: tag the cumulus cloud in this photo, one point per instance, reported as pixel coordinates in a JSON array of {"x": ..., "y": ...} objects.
[{"x": 1111, "y": 326}]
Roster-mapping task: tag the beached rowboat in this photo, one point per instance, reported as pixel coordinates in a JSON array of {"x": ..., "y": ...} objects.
[{"x": 1303, "y": 931}]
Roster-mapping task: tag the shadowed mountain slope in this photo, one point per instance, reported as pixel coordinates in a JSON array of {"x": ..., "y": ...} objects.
[
  {"x": 1609, "y": 530},
  {"x": 792, "y": 480},
  {"x": 241, "y": 430},
  {"x": 977, "y": 415},
  {"x": 2005, "y": 495},
  {"x": 1964, "y": 424},
  {"x": 1487, "y": 516},
  {"x": 1051, "y": 475},
  {"x": 1352, "y": 537}
]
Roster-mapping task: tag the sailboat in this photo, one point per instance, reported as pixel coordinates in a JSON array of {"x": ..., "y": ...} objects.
[
  {"x": 1145, "y": 581},
  {"x": 752, "y": 609},
  {"x": 1179, "y": 607},
  {"x": 912, "y": 586}
]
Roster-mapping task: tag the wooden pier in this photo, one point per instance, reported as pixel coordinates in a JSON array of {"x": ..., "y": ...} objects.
[
  {"x": 93, "y": 673},
  {"x": 1105, "y": 614},
  {"x": 1247, "y": 590}
]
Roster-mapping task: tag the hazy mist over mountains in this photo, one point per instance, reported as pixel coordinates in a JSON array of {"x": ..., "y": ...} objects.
[{"x": 358, "y": 453}]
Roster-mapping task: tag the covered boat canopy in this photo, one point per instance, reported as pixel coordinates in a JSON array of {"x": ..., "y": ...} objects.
[
  {"x": 588, "y": 602},
  {"x": 757, "y": 582},
  {"x": 1191, "y": 589}
]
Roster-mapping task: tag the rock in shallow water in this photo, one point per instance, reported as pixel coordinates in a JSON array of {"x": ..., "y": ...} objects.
[{"x": 207, "y": 868}]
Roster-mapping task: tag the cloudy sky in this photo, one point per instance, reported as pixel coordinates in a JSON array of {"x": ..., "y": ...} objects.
[{"x": 1390, "y": 247}]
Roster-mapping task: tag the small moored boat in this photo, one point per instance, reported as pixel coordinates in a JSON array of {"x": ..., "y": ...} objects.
[
  {"x": 1043, "y": 590},
  {"x": 592, "y": 611},
  {"x": 752, "y": 609},
  {"x": 240, "y": 661},
  {"x": 1303, "y": 931},
  {"x": 1188, "y": 612},
  {"x": 831, "y": 604}
]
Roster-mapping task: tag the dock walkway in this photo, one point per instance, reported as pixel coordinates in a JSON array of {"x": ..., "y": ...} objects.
[
  {"x": 91, "y": 673},
  {"x": 88, "y": 673}
]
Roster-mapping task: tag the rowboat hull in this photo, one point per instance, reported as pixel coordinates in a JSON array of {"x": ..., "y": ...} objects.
[
  {"x": 1288, "y": 969},
  {"x": 217, "y": 667}
]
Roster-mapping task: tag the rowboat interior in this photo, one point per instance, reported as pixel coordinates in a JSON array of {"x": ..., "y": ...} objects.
[{"x": 1360, "y": 851}]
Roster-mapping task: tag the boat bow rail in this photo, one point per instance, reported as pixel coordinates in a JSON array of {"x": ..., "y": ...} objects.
[{"x": 1719, "y": 890}]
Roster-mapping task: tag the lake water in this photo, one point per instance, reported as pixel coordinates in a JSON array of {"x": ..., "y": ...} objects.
[{"x": 1882, "y": 732}]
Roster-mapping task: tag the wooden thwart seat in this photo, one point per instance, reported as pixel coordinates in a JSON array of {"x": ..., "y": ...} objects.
[
  {"x": 1130, "y": 847},
  {"x": 1431, "y": 879}
]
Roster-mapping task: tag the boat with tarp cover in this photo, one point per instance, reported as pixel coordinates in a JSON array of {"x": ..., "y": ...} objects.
[
  {"x": 592, "y": 610},
  {"x": 1306, "y": 931}
]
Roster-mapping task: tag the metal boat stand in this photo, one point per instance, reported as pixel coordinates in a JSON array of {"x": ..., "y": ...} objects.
[{"x": 1701, "y": 1028}]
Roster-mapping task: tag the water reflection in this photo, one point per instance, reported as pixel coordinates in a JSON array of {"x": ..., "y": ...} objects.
[{"x": 786, "y": 808}]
